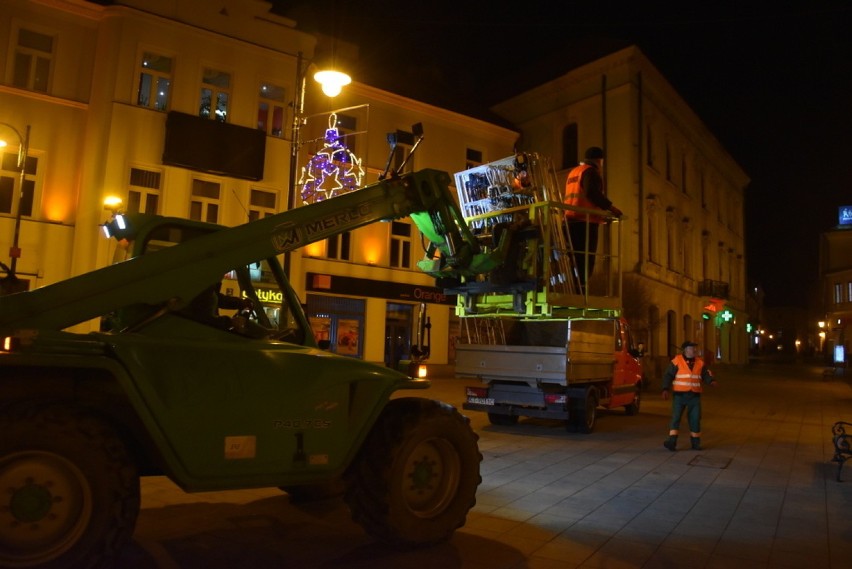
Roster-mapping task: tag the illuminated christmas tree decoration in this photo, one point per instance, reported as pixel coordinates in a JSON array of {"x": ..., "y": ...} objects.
[{"x": 332, "y": 171}]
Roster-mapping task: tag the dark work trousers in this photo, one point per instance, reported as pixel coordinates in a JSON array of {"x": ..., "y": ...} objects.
[
  {"x": 690, "y": 402},
  {"x": 582, "y": 249}
]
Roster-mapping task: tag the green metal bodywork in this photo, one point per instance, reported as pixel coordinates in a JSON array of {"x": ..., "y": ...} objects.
[{"x": 219, "y": 407}]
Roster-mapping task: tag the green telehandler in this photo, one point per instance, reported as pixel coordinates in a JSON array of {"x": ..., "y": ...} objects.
[{"x": 221, "y": 386}]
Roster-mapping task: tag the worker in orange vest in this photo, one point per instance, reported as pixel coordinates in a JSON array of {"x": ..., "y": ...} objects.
[
  {"x": 685, "y": 376},
  {"x": 584, "y": 188}
]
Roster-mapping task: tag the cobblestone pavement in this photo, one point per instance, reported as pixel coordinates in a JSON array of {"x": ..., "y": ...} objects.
[{"x": 762, "y": 494}]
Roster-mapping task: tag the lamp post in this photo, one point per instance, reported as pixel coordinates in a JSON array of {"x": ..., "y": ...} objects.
[
  {"x": 332, "y": 82},
  {"x": 24, "y": 143}
]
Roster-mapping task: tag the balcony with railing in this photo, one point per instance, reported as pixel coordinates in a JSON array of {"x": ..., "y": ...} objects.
[{"x": 715, "y": 289}]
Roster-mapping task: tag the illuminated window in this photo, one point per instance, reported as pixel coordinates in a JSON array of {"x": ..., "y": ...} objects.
[
  {"x": 155, "y": 80},
  {"x": 339, "y": 246},
  {"x": 838, "y": 293},
  {"x": 143, "y": 195},
  {"x": 400, "y": 245},
  {"x": 33, "y": 61},
  {"x": 270, "y": 109},
  {"x": 204, "y": 205},
  {"x": 10, "y": 178},
  {"x": 262, "y": 204},
  {"x": 338, "y": 321},
  {"x": 215, "y": 95}
]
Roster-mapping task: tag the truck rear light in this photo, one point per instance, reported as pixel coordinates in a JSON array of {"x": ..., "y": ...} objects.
[
  {"x": 555, "y": 399},
  {"x": 476, "y": 391},
  {"x": 10, "y": 343}
]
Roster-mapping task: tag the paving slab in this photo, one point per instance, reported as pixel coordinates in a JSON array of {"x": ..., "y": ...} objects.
[{"x": 762, "y": 493}]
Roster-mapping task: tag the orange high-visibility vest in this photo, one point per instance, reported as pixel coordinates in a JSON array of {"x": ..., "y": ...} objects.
[
  {"x": 576, "y": 196},
  {"x": 687, "y": 379}
]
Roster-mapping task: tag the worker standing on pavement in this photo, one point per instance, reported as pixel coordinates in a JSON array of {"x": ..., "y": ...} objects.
[{"x": 685, "y": 375}]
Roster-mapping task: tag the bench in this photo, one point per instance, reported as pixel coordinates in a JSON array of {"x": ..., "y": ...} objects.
[{"x": 842, "y": 444}]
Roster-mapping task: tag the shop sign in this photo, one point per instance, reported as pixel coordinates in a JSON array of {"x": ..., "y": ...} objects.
[{"x": 317, "y": 282}]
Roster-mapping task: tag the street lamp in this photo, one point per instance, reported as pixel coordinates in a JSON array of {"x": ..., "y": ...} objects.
[
  {"x": 332, "y": 82},
  {"x": 23, "y": 146}
]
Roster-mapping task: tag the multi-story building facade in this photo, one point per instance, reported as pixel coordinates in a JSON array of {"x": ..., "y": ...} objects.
[
  {"x": 681, "y": 193},
  {"x": 185, "y": 110},
  {"x": 160, "y": 104},
  {"x": 835, "y": 270}
]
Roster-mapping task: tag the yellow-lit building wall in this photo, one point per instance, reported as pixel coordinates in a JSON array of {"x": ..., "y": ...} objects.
[
  {"x": 88, "y": 132},
  {"x": 663, "y": 168}
]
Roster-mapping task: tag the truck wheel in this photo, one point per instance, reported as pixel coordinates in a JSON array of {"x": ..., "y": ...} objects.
[
  {"x": 585, "y": 412},
  {"x": 633, "y": 407},
  {"x": 498, "y": 419},
  {"x": 70, "y": 490},
  {"x": 416, "y": 477}
]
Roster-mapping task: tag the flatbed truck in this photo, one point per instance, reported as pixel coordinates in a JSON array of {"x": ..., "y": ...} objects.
[{"x": 542, "y": 343}]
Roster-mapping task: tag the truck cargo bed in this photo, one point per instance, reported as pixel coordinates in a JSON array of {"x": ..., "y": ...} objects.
[{"x": 531, "y": 364}]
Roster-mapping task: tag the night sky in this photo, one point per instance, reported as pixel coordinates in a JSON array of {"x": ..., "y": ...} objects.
[{"x": 774, "y": 85}]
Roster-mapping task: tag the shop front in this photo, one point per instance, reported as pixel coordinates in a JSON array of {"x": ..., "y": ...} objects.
[{"x": 376, "y": 320}]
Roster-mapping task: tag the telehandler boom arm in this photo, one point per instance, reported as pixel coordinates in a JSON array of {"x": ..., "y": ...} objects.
[{"x": 174, "y": 275}]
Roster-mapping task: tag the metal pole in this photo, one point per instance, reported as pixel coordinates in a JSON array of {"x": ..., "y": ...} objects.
[
  {"x": 295, "y": 142},
  {"x": 14, "y": 251}
]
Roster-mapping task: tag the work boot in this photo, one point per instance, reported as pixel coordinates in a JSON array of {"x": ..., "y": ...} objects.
[
  {"x": 696, "y": 443},
  {"x": 671, "y": 443}
]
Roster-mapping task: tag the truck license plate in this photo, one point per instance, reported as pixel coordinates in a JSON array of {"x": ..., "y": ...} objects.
[{"x": 481, "y": 400}]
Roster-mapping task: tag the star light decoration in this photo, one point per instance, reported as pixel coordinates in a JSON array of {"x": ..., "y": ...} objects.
[{"x": 332, "y": 171}]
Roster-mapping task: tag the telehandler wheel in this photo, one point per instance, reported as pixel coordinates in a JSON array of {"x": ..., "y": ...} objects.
[
  {"x": 70, "y": 490},
  {"x": 415, "y": 479},
  {"x": 632, "y": 408},
  {"x": 497, "y": 419}
]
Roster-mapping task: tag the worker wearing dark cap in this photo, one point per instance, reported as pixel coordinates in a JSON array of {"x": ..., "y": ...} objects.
[
  {"x": 685, "y": 376},
  {"x": 584, "y": 188}
]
